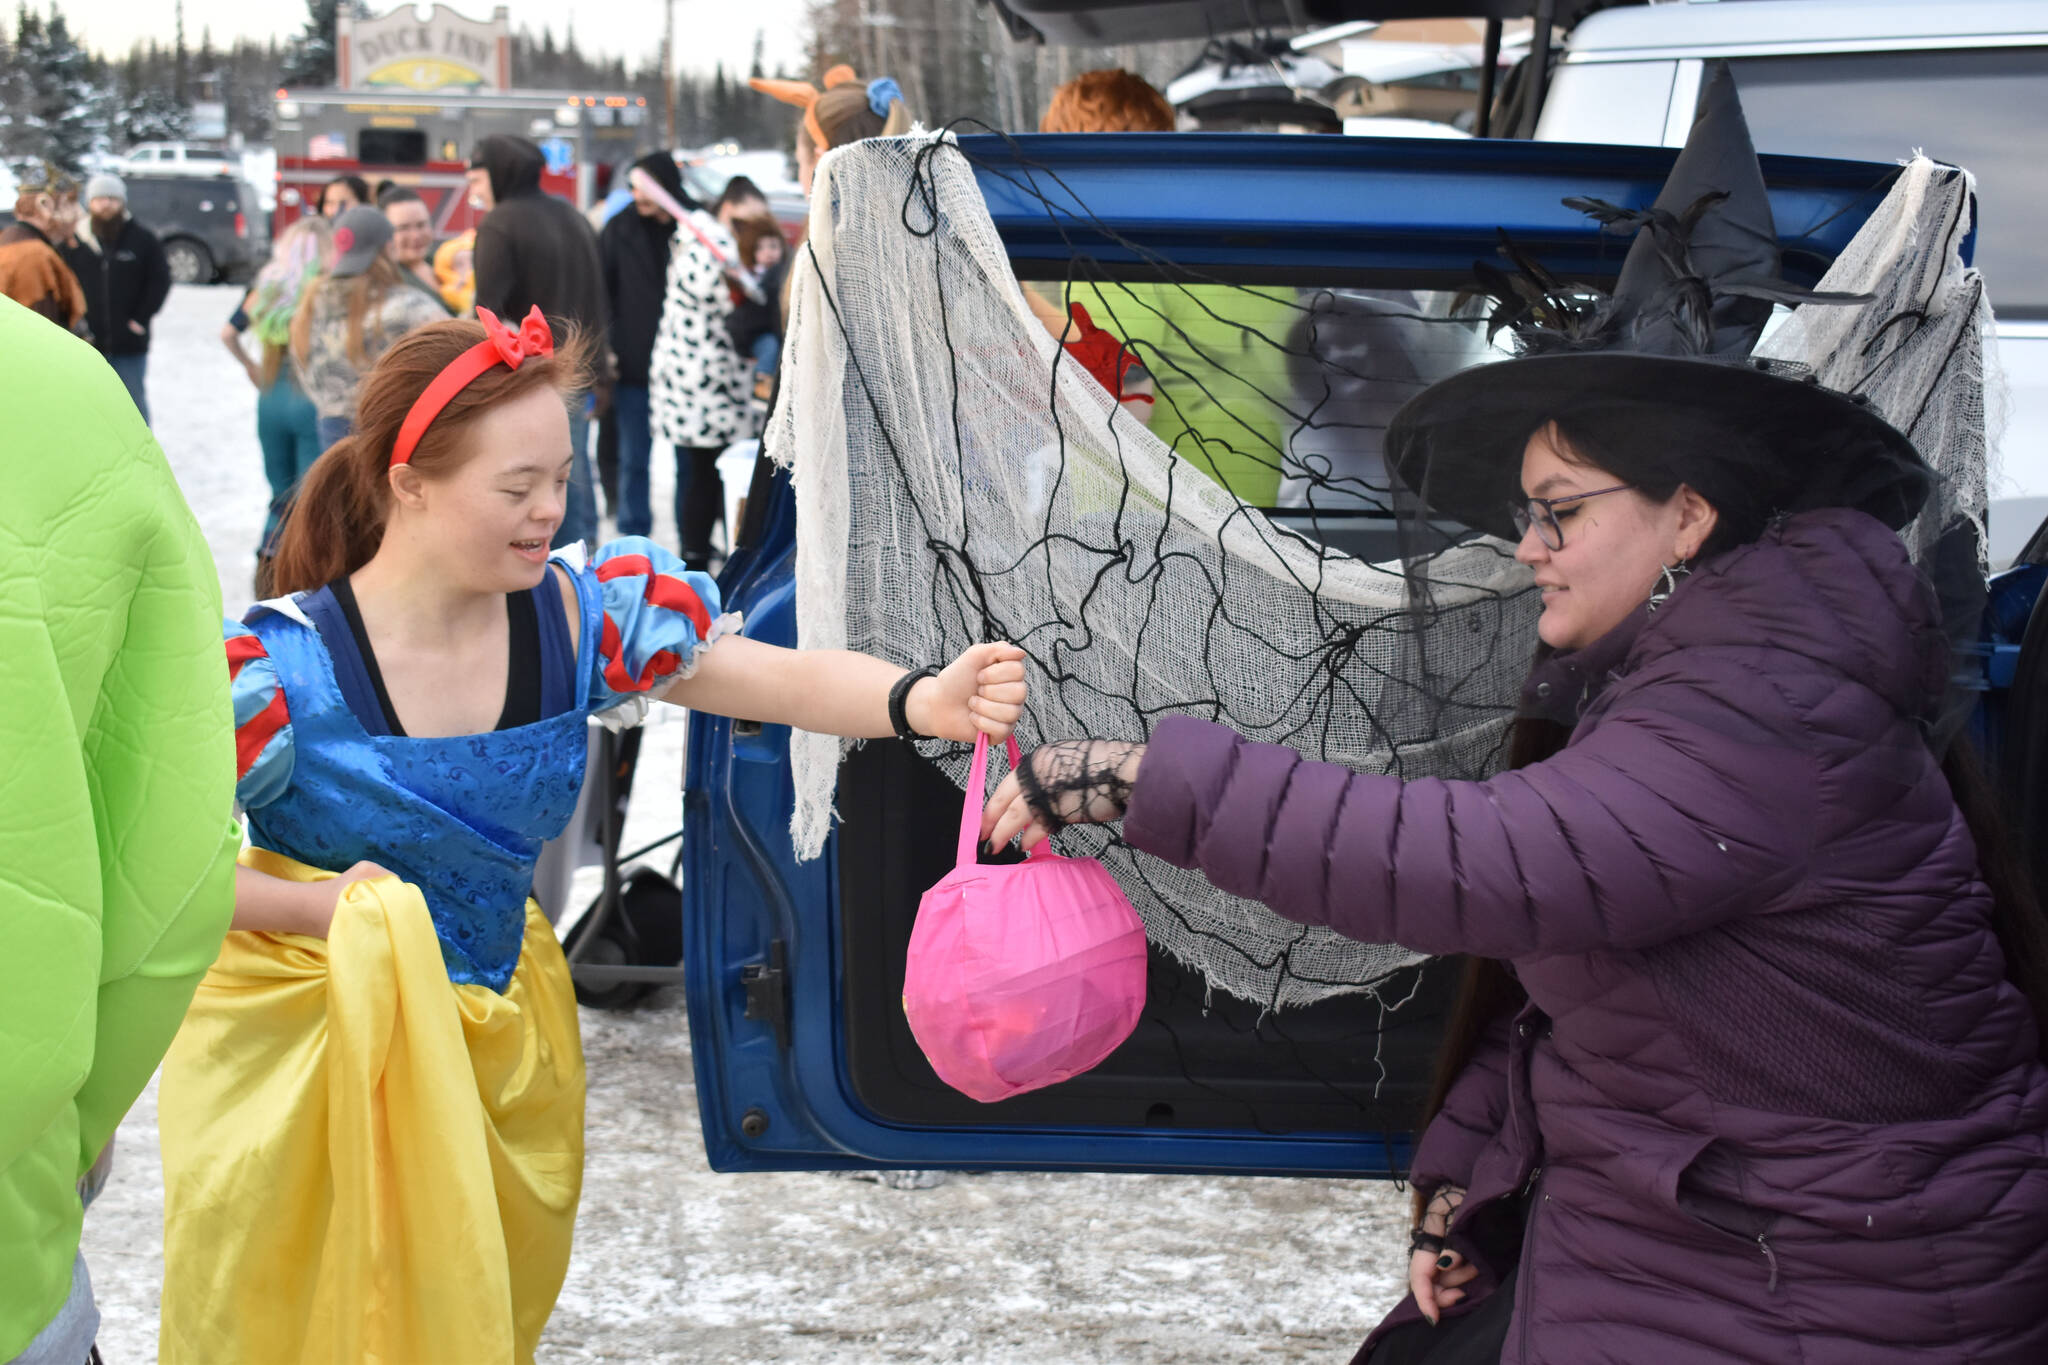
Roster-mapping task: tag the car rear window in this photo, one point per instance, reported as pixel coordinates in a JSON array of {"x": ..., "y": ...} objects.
[
  {"x": 151, "y": 201},
  {"x": 1284, "y": 391},
  {"x": 1971, "y": 107}
]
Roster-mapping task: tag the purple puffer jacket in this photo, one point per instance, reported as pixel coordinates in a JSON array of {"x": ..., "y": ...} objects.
[{"x": 1773, "y": 1094}]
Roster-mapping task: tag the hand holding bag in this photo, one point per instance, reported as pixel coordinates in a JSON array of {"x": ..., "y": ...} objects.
[{"x": 1021, "y": 975}]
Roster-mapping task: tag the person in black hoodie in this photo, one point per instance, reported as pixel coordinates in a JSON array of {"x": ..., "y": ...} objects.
[
  {"x": 634, "y": 250},
  {"x": 126, "y": 278},
  {"x": 536, "y": 251}
]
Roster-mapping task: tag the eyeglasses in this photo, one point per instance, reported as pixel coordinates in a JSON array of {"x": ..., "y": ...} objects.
[{"x": 1542, "y": 514}]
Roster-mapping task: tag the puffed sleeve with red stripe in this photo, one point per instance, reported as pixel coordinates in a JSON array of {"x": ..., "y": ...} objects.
[
  {"x": 263, "y": 721},
  {"x": 658, "y": 617}
]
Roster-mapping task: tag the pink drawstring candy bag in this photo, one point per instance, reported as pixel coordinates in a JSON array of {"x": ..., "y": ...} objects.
[{"x": 1024, "y": 974}]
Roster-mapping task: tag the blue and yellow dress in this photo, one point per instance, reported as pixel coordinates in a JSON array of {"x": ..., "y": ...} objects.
[{"x": 373, "y": 1142}]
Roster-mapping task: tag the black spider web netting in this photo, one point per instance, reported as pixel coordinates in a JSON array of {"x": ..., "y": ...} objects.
[{"x": 1232, "y": 549}]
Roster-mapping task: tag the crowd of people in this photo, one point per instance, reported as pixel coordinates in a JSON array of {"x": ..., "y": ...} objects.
[
  {"x": 1750, "y": 1066},
  {"x": 689, "y": 357}
]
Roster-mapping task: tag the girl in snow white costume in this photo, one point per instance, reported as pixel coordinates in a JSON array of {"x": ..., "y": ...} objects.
[{"x": 372, "y": 1120}]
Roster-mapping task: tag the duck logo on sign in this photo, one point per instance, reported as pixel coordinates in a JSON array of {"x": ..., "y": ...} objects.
[{"x": 425, "y": 76}]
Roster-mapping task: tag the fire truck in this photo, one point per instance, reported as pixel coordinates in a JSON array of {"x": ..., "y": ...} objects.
[
  {"x": 413, "y": 95},
  {"x": 423, "y": 142}
]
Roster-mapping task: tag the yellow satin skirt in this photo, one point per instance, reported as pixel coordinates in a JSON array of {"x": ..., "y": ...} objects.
[{"x": 362, "y": 1162}]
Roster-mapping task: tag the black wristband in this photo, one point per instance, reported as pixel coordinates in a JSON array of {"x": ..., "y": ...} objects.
[{"x": 899, "y": 701}]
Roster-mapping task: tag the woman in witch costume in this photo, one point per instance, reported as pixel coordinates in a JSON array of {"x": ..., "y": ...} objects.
[
  {"x": 1753, "y": 1070},
  {"x": 372, "y": 1120}
]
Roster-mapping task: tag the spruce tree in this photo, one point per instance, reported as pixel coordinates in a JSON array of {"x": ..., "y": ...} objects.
[
  {"x": 52, "y": 96},
  {"x": 310, "y": 58}
]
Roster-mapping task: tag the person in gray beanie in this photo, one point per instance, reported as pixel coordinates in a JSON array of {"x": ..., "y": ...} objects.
[
  {"x": 121, "y": 265},
  {"x": 350, "y": 316}
]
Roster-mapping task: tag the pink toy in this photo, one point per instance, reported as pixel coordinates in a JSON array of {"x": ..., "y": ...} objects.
[{"x": 1021, "y": 975}]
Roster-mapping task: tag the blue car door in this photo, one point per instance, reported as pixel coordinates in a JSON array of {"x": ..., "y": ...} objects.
[{"x": 803, "y": 1058}]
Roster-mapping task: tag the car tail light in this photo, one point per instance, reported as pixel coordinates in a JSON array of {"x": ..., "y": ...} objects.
[{"x": 241, "y": 225}]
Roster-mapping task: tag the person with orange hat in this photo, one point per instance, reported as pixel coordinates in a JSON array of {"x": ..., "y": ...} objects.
[{"x": 846, "y": 110}]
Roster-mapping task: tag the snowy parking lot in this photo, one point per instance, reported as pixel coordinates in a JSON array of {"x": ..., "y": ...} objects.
[{"x": 675, "y": 1263}]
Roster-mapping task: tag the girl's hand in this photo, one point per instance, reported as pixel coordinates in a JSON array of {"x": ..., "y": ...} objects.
[
  {"x": 325, "y": 905},
  {"x": 981, "y": 692},
  {"x": 1438, "y": 1278},
  {"x": 1071, "y": 782}
]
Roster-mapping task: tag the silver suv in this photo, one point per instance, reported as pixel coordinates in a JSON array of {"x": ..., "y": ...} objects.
[{"x": 1964, "y": 80}]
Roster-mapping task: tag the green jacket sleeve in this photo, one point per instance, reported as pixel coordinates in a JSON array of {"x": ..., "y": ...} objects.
[{"x": 116, "y": 834}]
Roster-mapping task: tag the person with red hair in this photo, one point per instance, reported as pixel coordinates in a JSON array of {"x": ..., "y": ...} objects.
[
  {"x": 1111, "y": 100},
  {"x": 847, "y": 109}
]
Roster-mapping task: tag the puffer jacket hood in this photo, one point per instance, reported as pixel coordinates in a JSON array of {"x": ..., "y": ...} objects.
[
  {"x": 534, "y": 250},
  {"x": 1772, "y": 1095},
  {"x": 514, "y": 163}
]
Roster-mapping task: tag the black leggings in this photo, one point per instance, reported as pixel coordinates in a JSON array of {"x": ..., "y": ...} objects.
[{"x": 700, "y": 501}]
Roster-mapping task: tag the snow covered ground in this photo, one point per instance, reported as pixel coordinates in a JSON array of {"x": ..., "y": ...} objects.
[{"x": 674, "y": 1263}]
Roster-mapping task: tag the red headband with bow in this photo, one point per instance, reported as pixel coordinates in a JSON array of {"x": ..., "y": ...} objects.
[{"x": 501, "y": 345}]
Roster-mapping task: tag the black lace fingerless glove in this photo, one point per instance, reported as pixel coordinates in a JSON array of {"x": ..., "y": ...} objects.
[
  {"x": 1443, "y": 1206},
  {"x": 1079, "y": 781}
]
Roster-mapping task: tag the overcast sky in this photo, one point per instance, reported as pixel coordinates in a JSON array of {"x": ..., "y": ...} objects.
[{"x": 707, "y": 31}]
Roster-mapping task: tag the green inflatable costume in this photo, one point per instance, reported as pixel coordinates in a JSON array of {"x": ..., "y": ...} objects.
[{"x": 117, "y": 838}]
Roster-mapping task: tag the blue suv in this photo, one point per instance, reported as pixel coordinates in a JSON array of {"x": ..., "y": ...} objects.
[{"x": 795, "y": 970}]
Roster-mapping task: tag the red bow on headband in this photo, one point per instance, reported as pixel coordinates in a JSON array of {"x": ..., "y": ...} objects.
[
  {"x": 532, "y": 338},
  {"x": 500, "y": 346}
]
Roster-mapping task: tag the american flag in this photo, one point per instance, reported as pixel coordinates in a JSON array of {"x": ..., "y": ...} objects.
[{"x": 327, "y": 147}]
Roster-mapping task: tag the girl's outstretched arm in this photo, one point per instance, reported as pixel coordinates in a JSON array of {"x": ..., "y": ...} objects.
[{"x": 835, "y": 692}]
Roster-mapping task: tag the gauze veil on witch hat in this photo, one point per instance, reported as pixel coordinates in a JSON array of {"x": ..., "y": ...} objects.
[{"x": 1695, "y": 292}]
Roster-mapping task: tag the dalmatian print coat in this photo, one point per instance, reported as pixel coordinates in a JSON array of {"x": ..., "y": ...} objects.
[{"x": 697, "y": 382}]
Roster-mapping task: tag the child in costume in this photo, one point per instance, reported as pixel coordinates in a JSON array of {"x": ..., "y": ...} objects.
[{"x": 372, "y": 1121}]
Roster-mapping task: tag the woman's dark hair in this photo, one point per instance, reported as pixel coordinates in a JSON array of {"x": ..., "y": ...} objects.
[
  {"x": 391, "y": 192},
  {"x": 336, "y": 520},
  {"x": 1655, "y": 448},
  {"x": 739, "y": 190},
  {"x": 357, "y": 186}
]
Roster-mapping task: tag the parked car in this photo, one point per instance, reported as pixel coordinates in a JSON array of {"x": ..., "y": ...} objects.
[
  {"x": 210, "y": 226},
  {"x": 177, "y": 158},
  {"x": 1869, "y": 79},
  {"x": 795, "y": 970}
]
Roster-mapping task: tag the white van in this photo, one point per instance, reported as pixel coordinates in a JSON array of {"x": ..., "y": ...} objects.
[{"x": 1964, "y": 80}]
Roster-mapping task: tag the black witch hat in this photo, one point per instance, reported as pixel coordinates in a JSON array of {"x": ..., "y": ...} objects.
[{"x": 1695, "y": 291}]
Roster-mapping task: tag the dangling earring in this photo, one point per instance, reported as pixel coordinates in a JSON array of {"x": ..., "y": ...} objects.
[{"x": 1668, "y": 584}]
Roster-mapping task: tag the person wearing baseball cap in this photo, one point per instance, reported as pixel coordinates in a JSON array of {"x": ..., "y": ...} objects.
[
  {"x": 126, "y": 278},
  {"x": 351, "y": 316}
]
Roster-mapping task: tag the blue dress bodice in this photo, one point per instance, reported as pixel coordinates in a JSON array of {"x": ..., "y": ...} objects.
[{"x": 461, "y": 817}]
